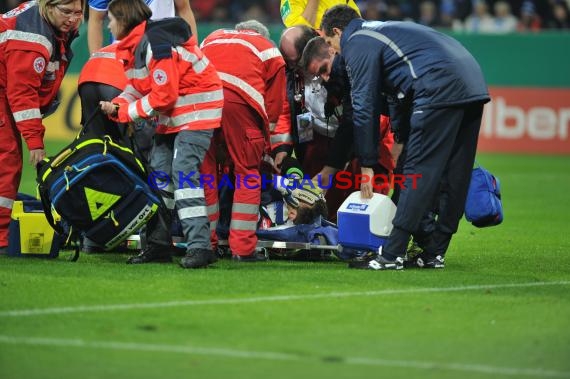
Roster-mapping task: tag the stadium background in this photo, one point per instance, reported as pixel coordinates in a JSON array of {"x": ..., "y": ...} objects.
[
  {"x": 526, "y": 69},
  {"x": 527, "y": 75}
]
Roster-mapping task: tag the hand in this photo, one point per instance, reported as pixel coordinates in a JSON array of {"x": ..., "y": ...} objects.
[
  {"x": 109, "y": 108},
  {"x": 366, "y": 189},
  {"x": 396, "y": 151},
  {"x": 36, "y": 156},
  {"x": 279, "y": 160},
  {"x": 325, "y": 177}
]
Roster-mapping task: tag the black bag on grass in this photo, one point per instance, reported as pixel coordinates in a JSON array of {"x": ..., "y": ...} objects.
[{"x": 99, "y": 188}]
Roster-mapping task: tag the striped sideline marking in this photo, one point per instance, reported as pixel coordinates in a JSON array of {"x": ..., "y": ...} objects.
[
  {"x": 492, "y": 371},
  {"x": 264, "y": 299}
]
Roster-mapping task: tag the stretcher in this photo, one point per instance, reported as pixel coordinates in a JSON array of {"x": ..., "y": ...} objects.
[
  {"x": 291, "y": 250},
  {"x": 363, "y": 227},
  {"x": 268, "y": 247},
  {"x": 271, "y": 249}
]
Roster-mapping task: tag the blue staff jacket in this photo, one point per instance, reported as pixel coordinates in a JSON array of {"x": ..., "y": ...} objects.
[{"x": 412, "y": 66}]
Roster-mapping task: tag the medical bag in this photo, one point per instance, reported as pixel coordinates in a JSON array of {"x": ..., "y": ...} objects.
[{"x": 99, "y": 188}]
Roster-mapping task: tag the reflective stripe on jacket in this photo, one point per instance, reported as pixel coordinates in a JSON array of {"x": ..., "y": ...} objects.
[
  {"x": 172, "y": 80},
  {"x": 250, "y": 65},
  {"x": 33, "y": 61},
  {"x": 103, "y": 67}
]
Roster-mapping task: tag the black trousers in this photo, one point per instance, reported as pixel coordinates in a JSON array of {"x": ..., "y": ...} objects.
[
  {"x": 91, "y": 94},
  {"x": 441, "y": 148}
]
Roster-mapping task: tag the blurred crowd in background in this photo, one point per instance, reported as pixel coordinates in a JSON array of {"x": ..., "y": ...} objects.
[{"x": 473, "y": 16}]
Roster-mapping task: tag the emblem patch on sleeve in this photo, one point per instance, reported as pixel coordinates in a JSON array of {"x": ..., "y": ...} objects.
[
  {"x": 159, "y": 77},
  {"x": 39, "y": 65}
]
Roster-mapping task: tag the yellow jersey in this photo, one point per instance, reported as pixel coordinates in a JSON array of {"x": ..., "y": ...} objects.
[{"x": 292, "y": 11}]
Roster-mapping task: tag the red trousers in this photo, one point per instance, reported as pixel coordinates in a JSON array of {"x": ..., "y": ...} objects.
[
  {"x": 242, "y": 129},
  {"x": 10, "y": 167},
  {"x": 207, "y": 169}
]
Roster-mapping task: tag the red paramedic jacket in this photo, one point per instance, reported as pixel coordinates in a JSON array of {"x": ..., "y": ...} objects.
[
  {"x": 33, "y": 61},
  {"x": 169, "y": 77},
  {"x": 250, "y": 65},
  {"x": 103, "y": 67}
]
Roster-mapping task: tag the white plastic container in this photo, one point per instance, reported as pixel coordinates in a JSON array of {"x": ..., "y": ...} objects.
[{"x": 365, "y": 224}]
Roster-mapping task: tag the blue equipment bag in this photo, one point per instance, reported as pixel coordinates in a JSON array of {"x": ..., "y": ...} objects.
[
  {"x": 483, "y": 206},
  {"x": 99, "y": 188}
]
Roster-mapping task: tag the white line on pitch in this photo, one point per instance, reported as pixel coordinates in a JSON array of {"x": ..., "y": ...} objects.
[
  {"x": 263, "y": 299},
  {"x": 492, "y": 371}
]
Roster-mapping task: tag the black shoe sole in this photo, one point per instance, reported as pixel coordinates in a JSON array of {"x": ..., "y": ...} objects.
[
  {"x": 132, "y": 261},
  {"x": 359, "y": 265},
  {"x": 201, "y": 265},
  {"x": 246, "y": 259},
  {"x": 426, "y": 264}
]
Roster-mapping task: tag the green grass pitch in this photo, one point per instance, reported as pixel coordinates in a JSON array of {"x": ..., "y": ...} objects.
[{"x": 500, "y": 309}]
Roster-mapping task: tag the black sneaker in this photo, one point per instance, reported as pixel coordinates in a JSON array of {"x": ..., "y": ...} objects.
[
  {"x": 379, "y": 263},
  {"x": 252, "y": 258},
  {"x": 151, "y": 254},
  {"x": 197, "y": 258},
  {"x": 427, "y": 261},
  {"x": 3, "y": 250},
  {"x": 223, "y": 251},
  {"x": 213, "y": 256}
]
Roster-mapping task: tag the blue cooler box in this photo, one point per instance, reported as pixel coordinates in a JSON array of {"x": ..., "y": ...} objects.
[{"x": 365, "y": 224}]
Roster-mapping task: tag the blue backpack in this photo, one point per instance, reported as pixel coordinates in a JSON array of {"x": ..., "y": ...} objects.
[
  {"x": 99, "y": 189},
  {"x": 483, "y": 206}
]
